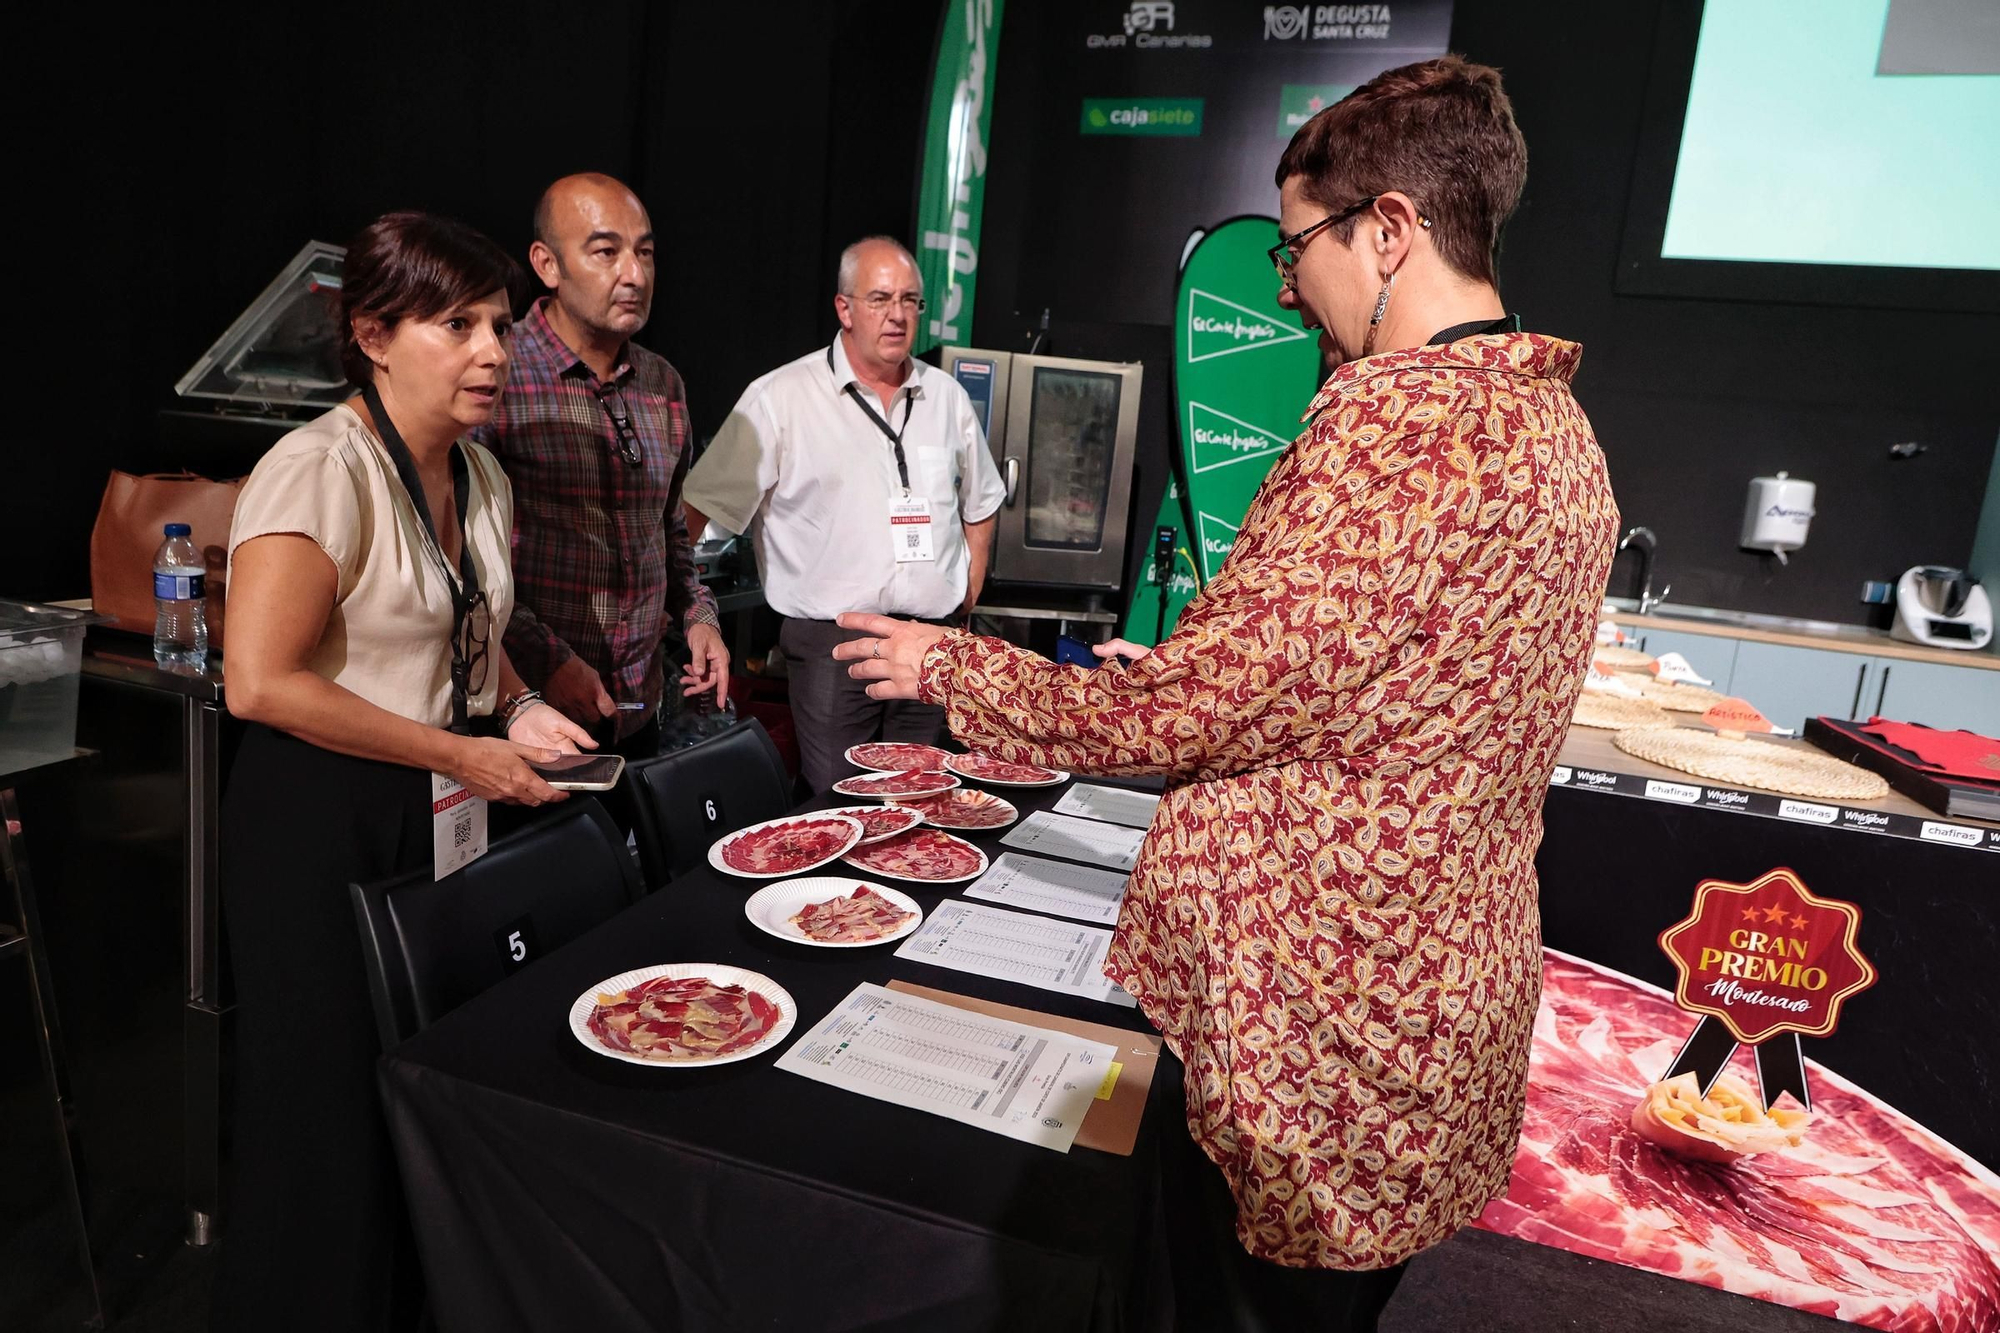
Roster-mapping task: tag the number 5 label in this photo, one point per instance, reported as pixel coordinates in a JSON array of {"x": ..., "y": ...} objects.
[{"x": 517, "y": 944}]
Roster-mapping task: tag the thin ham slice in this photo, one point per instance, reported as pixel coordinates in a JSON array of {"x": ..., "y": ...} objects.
[
  {"x": 688, "y": 1018},
  {"x": 860, "y": 916}
]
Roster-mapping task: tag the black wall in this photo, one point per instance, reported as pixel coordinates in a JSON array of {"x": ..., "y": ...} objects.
[
  {"x": 1690, "y": 398},
  {"x": 178, "y": 165}
]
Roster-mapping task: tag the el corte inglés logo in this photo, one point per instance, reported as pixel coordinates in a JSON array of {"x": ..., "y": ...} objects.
[{"x": 1217, "y": 327}]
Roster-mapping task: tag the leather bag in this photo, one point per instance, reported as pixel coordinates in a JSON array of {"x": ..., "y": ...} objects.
[{"x": 131, "y": 522}]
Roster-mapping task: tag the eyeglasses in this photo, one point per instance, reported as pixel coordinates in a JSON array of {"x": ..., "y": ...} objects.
[
  {"x": 613, "y": 403},
  {"x": 878, "y": 302},
  {"x": 469, "y": 657},
  {"x": 1285, "y": 255}
]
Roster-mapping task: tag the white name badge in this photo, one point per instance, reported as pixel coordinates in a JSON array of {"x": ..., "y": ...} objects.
[
  {"x": 910, "y": 528},
  {"x": 458, "y": 826}
]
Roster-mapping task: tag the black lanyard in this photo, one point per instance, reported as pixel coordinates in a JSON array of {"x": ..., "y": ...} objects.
[
  {"x": 895, "y": 436},
  {"x": 1477, "y": 328},
  {"x": 464, "y": 589}
]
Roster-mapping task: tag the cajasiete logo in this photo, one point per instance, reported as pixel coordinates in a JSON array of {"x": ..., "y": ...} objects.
[
  {"x": 1147, "y": 25},
  {"x": 1168, "y": 116},
  {"x": 1326, "y": 23}
]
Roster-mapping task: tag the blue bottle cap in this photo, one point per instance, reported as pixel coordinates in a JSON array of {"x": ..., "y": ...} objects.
[{"x": 178, "y": 529}]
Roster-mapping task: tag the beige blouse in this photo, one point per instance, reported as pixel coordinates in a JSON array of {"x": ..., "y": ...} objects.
[{"x": 388, "y": 638}]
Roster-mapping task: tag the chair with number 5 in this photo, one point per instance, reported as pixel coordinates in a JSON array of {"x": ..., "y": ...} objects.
[{"x": 431, "y": 945}]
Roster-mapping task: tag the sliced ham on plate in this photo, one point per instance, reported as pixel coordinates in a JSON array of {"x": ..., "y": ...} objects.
[
  {"x": 922, "y": 854},
  {"x": 785, "y": 846},
  {"x": 985, "y": 768},
  {"x": 963, "y": 808},
  {"x": 857, "y": 918},
  {"x": 897, "y": 757},
  {"x": 881, "y": 786},
  {"x": 881, "y": 821},
  {"x": 687, "y": 1018}
]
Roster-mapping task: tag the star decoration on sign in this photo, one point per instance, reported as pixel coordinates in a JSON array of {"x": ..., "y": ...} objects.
[
  {"x": 1774, "y": 914},
  {"x": 1315, "y": 102}
]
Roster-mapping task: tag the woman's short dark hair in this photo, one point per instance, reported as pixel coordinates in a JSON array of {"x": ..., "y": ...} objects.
[
  {"x": 411, "y": 265},
  {"x": 1442, "y": 132}
]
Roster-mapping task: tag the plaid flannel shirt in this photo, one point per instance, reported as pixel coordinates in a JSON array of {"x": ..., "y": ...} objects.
[{"x": 601, "y": 552}]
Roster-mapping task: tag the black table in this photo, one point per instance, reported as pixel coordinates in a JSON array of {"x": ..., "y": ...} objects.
[{"x": 554, "y": 1188}]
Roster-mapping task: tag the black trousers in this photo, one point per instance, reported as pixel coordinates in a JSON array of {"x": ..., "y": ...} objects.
[
  {"x": 1219, "y": 1286},
  {"x": 316, "y": 1236},
  {"x": 831, "y": 711}
]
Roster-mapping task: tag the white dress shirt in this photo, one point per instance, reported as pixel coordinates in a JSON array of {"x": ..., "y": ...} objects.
[{"x": 803, "y": 468}]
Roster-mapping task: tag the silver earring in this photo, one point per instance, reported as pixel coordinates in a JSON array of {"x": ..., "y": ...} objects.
[{"x": 1375, "y": 320}]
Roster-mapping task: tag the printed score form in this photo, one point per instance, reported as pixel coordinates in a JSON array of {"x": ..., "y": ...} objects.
[
  {"x": 1028, "y": 1083},
  {"x": 1014, "y": 946},
  {"x": 1113, "y": 805},
  {"x": 1055, "y": 887},
  {"x": 1084, "y": 840}
]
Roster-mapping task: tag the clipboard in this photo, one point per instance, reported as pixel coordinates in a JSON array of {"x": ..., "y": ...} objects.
[{"x": 1112, "y": 1124}]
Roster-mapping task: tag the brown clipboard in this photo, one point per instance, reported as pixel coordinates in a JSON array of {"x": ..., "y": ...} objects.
[{"x": 1111, "y": 1125}]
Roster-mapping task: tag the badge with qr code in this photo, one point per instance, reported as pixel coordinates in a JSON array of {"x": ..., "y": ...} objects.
[
  {"x": 458, "y": 826},
  {"x": 910, "y": 528}
]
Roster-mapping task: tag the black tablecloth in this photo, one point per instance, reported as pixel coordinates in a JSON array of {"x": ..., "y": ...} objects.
[{"x": 555, "y": 1189}]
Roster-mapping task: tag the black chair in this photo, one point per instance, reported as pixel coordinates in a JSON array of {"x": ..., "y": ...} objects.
[
  {"x": 684, "y": 801},
  {"x": 432, "y": 945}
]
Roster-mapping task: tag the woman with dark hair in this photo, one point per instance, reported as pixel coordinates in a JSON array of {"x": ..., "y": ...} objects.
[
  {"x": 1333, "y": 919},
  {"x": 369, "y": 586}
]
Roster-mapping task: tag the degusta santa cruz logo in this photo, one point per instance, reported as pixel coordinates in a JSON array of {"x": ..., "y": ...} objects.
[{"x": 1322, "y": 23}]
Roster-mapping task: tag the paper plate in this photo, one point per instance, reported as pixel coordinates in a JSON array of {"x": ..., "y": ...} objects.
[
  {"x": 865, "y": 813},
  {"x": 931, "y": 785},
  {"x": 970, "y": 766},
  {"x": 896, "y": 756},
  {"x": 870, "y": 859},
  {"x": 715, "y": 848},
  {"x": 954, "y": 809},
  {"x": 722, "y": 974},
  {"x": 772, "y": 907}
]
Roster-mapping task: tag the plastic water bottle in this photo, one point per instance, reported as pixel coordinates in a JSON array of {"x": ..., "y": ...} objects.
[{"x": 180, "y": 606}]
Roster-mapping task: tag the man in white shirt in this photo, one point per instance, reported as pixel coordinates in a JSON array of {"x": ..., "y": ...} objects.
[{"x": 864, "y": 478}]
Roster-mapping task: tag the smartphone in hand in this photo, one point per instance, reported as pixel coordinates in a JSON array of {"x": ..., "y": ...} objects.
[{"x": 580, "y": 772}]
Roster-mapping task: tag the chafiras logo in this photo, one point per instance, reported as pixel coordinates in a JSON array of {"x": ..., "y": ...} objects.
[{"x": 1167, "y": 116}]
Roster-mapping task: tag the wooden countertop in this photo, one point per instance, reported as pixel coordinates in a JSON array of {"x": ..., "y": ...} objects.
[{"x": 1847, "y": 639}]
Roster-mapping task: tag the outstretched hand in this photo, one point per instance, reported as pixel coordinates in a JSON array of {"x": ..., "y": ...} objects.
[{"x": 890, "y": 656}]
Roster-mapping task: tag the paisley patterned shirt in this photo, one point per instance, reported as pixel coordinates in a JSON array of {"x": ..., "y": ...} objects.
[{"x": 1333, "y": 919}]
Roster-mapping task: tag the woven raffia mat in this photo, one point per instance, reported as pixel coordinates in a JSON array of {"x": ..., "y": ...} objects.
[
  {"x": 1748, "y": 763},
  {"x": 1676, "y": 698},
  {"x": 1613, "y": 713},
  {"x": 1623, "y": 659}
]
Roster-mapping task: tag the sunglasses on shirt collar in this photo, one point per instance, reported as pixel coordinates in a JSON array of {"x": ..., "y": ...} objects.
[{"x": 613, "y": 403}]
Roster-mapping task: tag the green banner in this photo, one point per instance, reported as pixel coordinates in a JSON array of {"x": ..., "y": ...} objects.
[
  {"x": 954, "y": 178},
  {"x": 1244, "y": 370}
]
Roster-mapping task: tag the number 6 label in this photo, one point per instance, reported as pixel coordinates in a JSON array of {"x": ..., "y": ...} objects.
[{"x": 711, "y": 810}]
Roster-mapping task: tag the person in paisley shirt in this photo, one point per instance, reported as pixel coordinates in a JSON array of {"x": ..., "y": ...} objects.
[{"x": 1333, "y": 919}]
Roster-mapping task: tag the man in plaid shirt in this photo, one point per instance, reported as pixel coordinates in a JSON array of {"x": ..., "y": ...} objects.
[{"x": 593, "y": 431}]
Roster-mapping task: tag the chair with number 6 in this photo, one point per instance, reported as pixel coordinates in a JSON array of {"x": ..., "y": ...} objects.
[{"x": 685, "y": 800}]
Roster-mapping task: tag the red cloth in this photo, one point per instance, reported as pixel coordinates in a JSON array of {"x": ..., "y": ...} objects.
[{"x": 1958, "y": 754}]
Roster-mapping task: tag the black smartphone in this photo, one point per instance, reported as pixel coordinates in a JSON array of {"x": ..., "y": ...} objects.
[{"x": 580, "y": 772}]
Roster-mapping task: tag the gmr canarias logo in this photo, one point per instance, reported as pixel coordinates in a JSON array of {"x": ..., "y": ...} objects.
[
  {"x": 1149, "y": 16},
  {"x": 1147, "y": 24}
]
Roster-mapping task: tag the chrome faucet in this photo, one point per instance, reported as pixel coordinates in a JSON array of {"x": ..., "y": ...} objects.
[{"x": 1647, "y": 545}]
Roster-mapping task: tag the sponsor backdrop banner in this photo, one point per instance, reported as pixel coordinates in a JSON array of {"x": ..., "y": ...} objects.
[
  {"x": 1243, "y": 371},
  {"x": 1158, "y": 117},
  {"x": 953, "y": 187}
]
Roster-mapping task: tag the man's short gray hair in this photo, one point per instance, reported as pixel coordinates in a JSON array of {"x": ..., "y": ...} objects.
[{"x": 850, "y": 262}]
